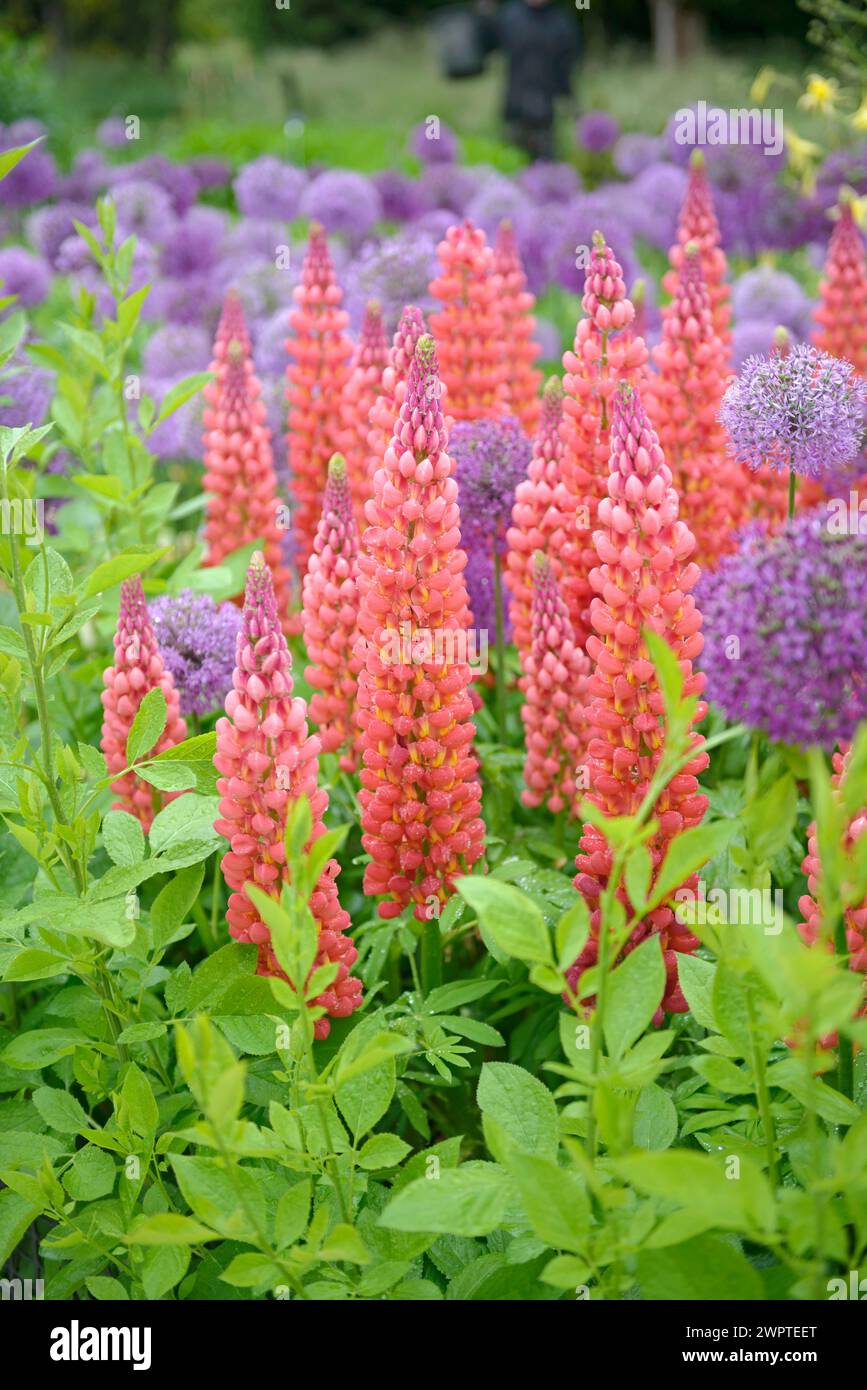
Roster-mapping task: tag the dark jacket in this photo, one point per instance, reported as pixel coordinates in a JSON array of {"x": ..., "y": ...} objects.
[{"x": 541, "y": 44}]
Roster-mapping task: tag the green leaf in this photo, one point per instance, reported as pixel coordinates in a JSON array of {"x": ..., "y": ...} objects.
[
  {"x": 41, "y": 1047},
  {"x": 121, "y": 567},
  {"x": 140, "y": 1103},
  {"x": 91, "y": 1175},
  {"x": 252, "y": 1271},
  {"x": 195, "y": 754},
  {"x": 168, "y": 777},
  {"x": 510, "y": 916},
  {"x": 169, "y": 1228},
  {"x": 180, "y": 393},
  {"x": 123, "y": 837},
  {"x": 9, "y": 158},
  {"x": 293, "y": 1213},
  {"x": 741, "y": 1202},
  {"x": 571, "y": 934},
  {"x": 555, "y": 1201},
  {"x": 723, "y": 1075},
  {"x": 466, "y": 1201},
  {"x": 703, "y": 1269},
  {"x": 696, "y": 978},
  {"x": 163, "y": 1267},
  {"x": 687, "y": 852},
  {"x": 382, "y": 1151},
  {"x": 522, "y": 1106},
  {"x": 635, "y": 989},
  {"x": 226, "y": 1202},
  {"x": 770, "y": 819},
  {"x": 173, "y": 902},
  {"x": 187, "y": 821},
  {"x": 17, "y": 1214},
  {"x": 143, "y": 1032},
  {"x": 60, "y": 1110},
  {"x": 654, "y": 1122},
  {"x": 105, "y": 1288},
  {"x": 148, "y": 725},
  {"x": 344, "y": 1243}
]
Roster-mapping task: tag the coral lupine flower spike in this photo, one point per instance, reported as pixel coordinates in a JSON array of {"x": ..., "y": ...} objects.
[
  {"x": 359, "y": 396},
  {"x": 516, "y": 306},
  {"x": 138, "y": 667},
  {"x": 643, "y": 579},
  {"x": 841, "y": 316},
  {"x": 684, "y": 399},
  {"x": 469, "y": 326},
  {"x": 393, "y": 386},
  {"x": 606, "y": 351},
  {"x": 243, "y": 505},
  {"x": 320, "y": 353},
  {"x": 331, "y": 618},
  {"x": 420, "y": 796},
  {"x": 268, "y": 760},
  {"x": 697, "y": 223},
  {"x": 555, "y": 681}
]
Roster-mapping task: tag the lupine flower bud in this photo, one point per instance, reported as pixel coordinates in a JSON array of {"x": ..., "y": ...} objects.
[
  {"x": 138, "y": 667},
  {"x": 606, "y": 351},
  {"x": 643, "y": 580},
  {"x": 420, "y": 796},
  {"x": 384, "y": 410},
  {"x": 239, "y": 472},
  {"x": 359, "y": 396},
  {"x": 469, "y": 327},
  {"x": 320, "y": 352},
  {"x": 856, "y": 917},
  {"x": 331, "y": 618},
  {"x": 268, "y": 760},
  {"x": 684, "y": 400},
  {"x": 841, "y": 315},
  {"x": 697, "y": 223},
  {"x": 516, "y": 307},
  {"x": 541, "y": 516},
  {"x": 555, "y": 672}
]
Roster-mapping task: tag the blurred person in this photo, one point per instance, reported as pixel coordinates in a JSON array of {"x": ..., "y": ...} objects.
[{"x": 541, "y": 43}]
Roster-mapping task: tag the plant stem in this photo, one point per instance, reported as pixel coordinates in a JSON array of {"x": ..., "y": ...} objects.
[
  {"x": 501, "y": 650},
  {"x": 845, "y": 1060},
  {"x": 793, "y": 484}
]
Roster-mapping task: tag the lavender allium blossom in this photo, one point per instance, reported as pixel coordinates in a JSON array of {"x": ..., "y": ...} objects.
[
  {"x": 267, "y": 187},
  {"x": 195, "y": 241},
  {"x": 434, "y": 224},
  {"x": 174, "y": 179},
  {"x": 87, "y": 178},
  {"x": 25, "y": 392},
  {"x": 751, "y": 338},
  {"x": 49, "y": 227},
  {"x": 452, "y": 187},
  {"x": 112, "y": 132},
  {"x": 197, "y": 640},
  {"x": 804, "y": 411},
  {"x": 794, "y": 602},
  {"x": 402, "y": 197},
  {"x": 548, "y": 182},
  {"x": 597, "y": 131},
  {"x": 491, "y": 458},
  {"x": 498, "y": 199},
  {"x": 548, "y": 336},
  {"x": 433, "y": 143},
  {"x": 34, "y": 177},
  {"x": 193, "y": 299},
  {"x": 655, "y": 197},
  {"x": 144, "y": 210},
  {"x": 343, "y": 201},
  {"x": 766, "y": 293},
  {"x": 24, "y": 275},
  {"x": 209, "y": 171},
  {"x": 176, "y": 351},
  {"x": 395, "y": 271},
  {"x": 635, "y": 151}
]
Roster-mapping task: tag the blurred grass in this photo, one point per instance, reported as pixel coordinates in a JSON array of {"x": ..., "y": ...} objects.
[{"x": 358, "y": 103}]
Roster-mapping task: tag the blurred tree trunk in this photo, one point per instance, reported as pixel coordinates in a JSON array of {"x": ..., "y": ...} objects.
[{"x": 678, "y": 32}]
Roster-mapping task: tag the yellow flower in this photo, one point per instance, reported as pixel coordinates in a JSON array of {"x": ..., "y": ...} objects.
[
  {"x": 858, "y": 205},
  {"x": 801, "y": 152},
  {"x": 822, "y": 94},
  {"x": 762, "y": 83},
  {"x": 859, "y": 118}
]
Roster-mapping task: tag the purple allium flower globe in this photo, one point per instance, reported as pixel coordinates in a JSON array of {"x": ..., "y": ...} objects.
[
  {"x": 767, "y": 293},
  {"x": 267, "y": 187},
  {"x": 344, "y": 202},
  {"x": 49, "y": 227},
  {"x": 785, "y": 628},
  {"x": 395, "y": 271},
  {"x": 402, "y": 197},
  {"x": 548, "y": 182},
  {"x": 112, "y": 132},
  {"x": 25, "y": 392},
  {"x": 197, "y": 639},
  {"x": 635, "y": 151},
  {"x": 24, "y": 275},
  {"x": 433, "y": 142},
  {"x": 34, "y": 177},
  {"x": 144, "y": 210},
  {"x": 596, "y": 131},
  {"x": 499, "y": 199},
  {"x": 803, "y": 411},
  {"x": 175, "y": 179},
  {"x": 195, "y": 243},
  {"x": 176, "y": 351},
  {"x": 752, "y": 338},
  {"x": 491, "y": 458}
]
